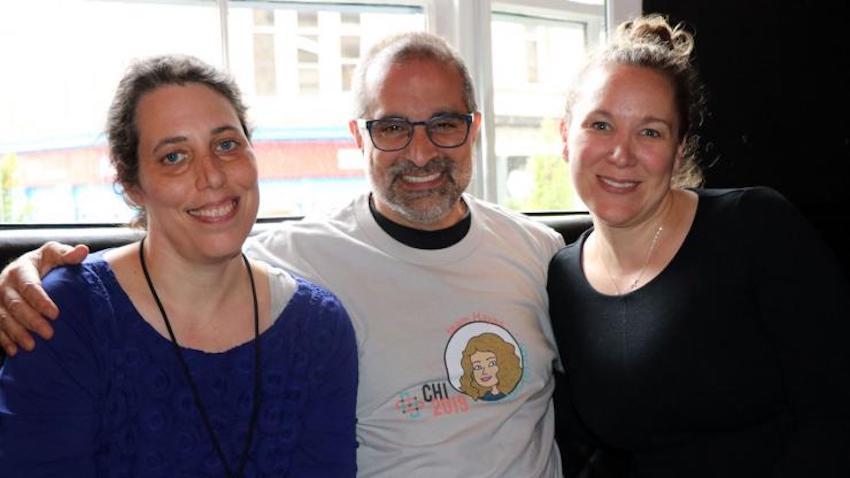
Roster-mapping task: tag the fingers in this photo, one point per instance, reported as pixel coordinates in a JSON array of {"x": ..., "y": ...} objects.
[
  {"x": 21, "y": 293},
  {"x": 28, "y": 276},
  {"x": 53, "y": 254},
  {"x": 14, "y": 333},
  {"x": 76, "y": 254},
  {"x": 23, "y": 302},
  {"x": 19, "y": 317},
  {"x": 7, "y": 344},
  {"x": 20, "y": 313},
  {"x": 29, "y": 303}
]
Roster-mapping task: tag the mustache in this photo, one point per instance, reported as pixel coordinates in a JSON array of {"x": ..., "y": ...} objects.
[{"x": 437, "y": 165}]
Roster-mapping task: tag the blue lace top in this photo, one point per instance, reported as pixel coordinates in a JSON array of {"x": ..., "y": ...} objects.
[{"x": 106, "y": 396}]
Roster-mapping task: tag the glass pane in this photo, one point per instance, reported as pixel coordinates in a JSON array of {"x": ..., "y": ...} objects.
[
  {"x": 53, "y": 160},
  {"x": 306, "y": 56},
  {"x": 350, "y": 17},
  {"x": 263, "y": 18},
  {"x": 264, "y": 70},
  {"x": 349, "y": 46},
  {"x": 533, "y": 62},
  {"x": 308, "y": 162},
  {"x": 308, "y": 19},
  {"x": 347, "y": 75},
  {"x": 308, "y": 80}
]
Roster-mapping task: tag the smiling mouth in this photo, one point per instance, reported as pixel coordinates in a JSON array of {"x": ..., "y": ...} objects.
[
  {"x": 422, "y": 179},
  {"x": 215, "y": 211},
  {"x": 618, "y": 184}
]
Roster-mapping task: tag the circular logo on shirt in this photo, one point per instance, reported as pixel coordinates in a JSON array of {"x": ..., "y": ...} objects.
[{"x": 483, "y": 361}]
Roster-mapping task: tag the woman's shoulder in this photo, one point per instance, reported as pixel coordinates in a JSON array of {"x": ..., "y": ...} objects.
[
  {"x": 760, "y": 196},
  {"x": 86, "y": 320},
  {"x": 320, "y": 324},
  {"x": 571, "y": 253},
  {"x": 565, "y": 270},
  {"x": 314, "y": 305},
  {"x": 751, "y": 206},
  {"x": 79, "y": 281},
  {"x": 319, "y": 299}
]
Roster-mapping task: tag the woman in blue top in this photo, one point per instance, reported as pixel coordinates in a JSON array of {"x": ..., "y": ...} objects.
[{"x": 176, "y": 355}]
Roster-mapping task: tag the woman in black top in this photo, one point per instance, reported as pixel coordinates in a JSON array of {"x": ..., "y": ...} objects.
[{"x": 703, "y": 331}]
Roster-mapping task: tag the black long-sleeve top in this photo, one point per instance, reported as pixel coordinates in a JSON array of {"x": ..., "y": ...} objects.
[{"x": 732, "y": 362}]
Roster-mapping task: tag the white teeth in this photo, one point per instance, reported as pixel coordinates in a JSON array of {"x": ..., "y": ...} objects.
[
  {"x": 421, "y": 179},
  {"x": 619, "y": 184},
  {"x": 213, "y": 212}
]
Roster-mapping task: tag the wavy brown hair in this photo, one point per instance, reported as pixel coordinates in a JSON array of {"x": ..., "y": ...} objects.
[{"x": 510, "y": 369}]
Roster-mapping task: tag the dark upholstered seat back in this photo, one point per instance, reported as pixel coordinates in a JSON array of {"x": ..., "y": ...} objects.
[{"x": 15, "y": 241}]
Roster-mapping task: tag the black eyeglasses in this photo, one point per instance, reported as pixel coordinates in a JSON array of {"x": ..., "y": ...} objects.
[{"x": 394, "y": 134}]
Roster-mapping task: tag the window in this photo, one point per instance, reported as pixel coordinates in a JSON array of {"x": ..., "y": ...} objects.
[
  {"x": 534, "y": 58},
  {"x": 307, "y": 160},
  {"x": 53, "y": 100},
  {"x": 294, "y": 62}
]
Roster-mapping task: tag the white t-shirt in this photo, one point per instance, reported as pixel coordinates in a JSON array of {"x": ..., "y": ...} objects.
[{"x": 422, "y": 408}]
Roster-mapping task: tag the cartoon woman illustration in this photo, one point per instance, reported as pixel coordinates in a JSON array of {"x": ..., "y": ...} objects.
[{"x": 491, "y": 368}]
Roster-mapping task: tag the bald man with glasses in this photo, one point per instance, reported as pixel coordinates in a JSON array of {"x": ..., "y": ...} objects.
[{"x": 447, "y": 293}]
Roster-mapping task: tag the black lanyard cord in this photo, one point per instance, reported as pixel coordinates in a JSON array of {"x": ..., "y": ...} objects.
[{"x": 185, "y": 367}]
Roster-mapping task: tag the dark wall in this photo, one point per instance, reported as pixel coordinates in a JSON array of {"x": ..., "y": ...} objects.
[{"x": 778, "y": 77}]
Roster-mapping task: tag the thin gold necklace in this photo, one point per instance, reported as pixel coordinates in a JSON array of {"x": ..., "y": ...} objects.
[{"x": 635, "y": 282}]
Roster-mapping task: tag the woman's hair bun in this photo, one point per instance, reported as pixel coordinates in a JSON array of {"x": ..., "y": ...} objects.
[{"x": 655, "y": 30}]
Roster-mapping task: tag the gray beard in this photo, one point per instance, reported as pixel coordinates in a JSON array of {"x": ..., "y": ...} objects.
[{"x": 445, "y": 199}]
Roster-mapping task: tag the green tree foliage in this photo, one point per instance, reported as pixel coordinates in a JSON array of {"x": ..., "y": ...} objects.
[
  {"x": 8, "y": 182},
  {"x": 553, "y": 189}
]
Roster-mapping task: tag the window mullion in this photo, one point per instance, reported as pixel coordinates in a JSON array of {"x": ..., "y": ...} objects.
[
  {"x": 475, "y": 46},
  {"x": 224, "y": 32},
  {"x": 466, "y": 25}
]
